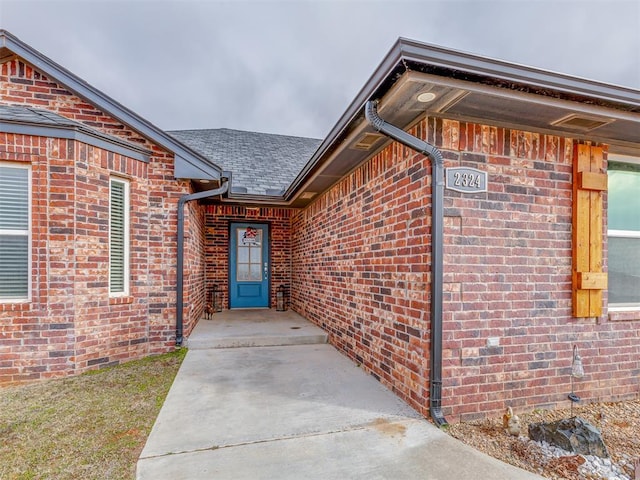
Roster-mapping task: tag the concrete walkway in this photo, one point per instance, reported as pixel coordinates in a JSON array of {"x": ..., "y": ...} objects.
[{"x": 293, "y": 409}]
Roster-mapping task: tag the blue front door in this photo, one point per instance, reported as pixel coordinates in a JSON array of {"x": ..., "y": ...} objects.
[{"x": 249, "y": 266}]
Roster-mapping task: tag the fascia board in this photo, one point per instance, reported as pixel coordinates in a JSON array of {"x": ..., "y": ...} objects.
[
  {"x": 355, "y": 109},
  {"x": 81, "y": 135},
  {"x": 516, "y": 73},
  {"x": 405, "y": 50},
  {"x": 186, "y": 169}
]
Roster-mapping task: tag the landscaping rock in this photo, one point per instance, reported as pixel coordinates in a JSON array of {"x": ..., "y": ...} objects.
[
  {"x": 567, "y": 465},
  {"x": 571, "y": 434}
]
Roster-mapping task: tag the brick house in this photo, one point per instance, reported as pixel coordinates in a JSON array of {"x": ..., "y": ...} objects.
[{"x": 462, "y": 298}]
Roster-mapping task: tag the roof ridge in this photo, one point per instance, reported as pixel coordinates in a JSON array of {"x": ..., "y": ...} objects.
[{"x": 241, "y": 131}]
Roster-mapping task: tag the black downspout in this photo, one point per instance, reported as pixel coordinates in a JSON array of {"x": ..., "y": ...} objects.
[
  {"x": 437, "y": 241},
  {"x": 180, "y": 262}
]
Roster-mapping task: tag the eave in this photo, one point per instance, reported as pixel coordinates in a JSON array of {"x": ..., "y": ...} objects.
[
  {"x": 469, "y": 88},
  {"x": 39, "y": 123}
]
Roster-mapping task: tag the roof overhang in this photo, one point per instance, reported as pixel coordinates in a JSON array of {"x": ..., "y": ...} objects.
[
  {"x": 188, "y": 164},
  {"x": 40, "y": 123},
  {"x": 469, "y": 88}
]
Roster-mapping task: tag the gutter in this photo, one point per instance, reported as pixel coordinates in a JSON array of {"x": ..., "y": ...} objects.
[
  {"x": 437, "y": 241},
  {"x": 180, "y": 261},
  {"x": 406, "y": 54}
]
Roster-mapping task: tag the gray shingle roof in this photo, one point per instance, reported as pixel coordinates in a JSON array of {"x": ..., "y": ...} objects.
[
  {"x": 262, "y": 163},
  {"x": 15, "y": 113},
  {"x": 35, "y": 121}
]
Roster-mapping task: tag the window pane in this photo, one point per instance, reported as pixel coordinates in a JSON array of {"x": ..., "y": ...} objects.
[
  {"x": 255, "y": 255},
  {"x": 14, "y": 232},
  {"x": 14, "y": 198},
  {"x": 117, "y": 240},
  {"x": 624, "y": 198},
  {"x": 623, "y": 247},
  {"x": 243, "y": 254},
  {"x": 14, "y": 266},
  {"x": 624, "y": 270},
  {"x": 243, "y": 272},
  {"x": 249, "y": 254},
  {"x": 256, "y": 273}
]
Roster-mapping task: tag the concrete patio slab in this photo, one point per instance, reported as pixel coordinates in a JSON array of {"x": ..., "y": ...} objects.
[
  {"x": 250, "y": 395},
  {"x": 254, "y": 328},
  {"x": 291, "y": 412},
  {"x": 411, "y": 449}
]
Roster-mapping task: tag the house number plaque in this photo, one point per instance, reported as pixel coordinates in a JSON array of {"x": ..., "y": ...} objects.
[{"x": 466, "y": 180}]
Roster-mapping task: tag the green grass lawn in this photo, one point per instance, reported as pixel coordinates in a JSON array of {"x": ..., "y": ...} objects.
[{"x": 92, "y": 426}]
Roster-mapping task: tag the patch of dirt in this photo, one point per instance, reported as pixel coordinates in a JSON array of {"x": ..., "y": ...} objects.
[
  {"x": 386, "y": 427},
  {"x": 618, "y": 422}
]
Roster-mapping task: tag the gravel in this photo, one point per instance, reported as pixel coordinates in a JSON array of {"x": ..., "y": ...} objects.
[{"x": 618, "y": 422}]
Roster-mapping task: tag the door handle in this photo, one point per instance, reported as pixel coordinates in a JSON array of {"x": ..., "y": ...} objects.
[{"x": 266, "y": 270}]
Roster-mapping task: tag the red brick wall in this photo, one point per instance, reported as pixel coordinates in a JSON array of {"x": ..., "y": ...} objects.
[
  {"x": 71, "y": 324},
  {"x": 218, "y": 219},
  {"x": 36, "y": 339},
  {"x": 195, "y": 268},
  {"x": 361, "y": 270},
  {"x": 107, "y": 330},
  {"x": 508, "y": 275}
]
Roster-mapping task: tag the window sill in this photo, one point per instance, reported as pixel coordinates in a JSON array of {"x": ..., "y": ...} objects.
[
  {"x": 624, "y": 314},
  {"x": 120, "y": 300}
]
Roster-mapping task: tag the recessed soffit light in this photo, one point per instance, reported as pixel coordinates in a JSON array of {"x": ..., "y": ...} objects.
[{"x": 426, "y": 97}]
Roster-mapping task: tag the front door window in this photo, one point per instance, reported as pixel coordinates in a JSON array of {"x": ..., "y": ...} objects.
[{"x": 249, "y": 254}]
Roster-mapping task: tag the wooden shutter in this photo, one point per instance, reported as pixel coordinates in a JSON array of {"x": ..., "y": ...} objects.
[{"x": 589, "y": 181}]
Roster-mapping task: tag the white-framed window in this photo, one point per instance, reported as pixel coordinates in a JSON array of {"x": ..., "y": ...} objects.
[
  {"x": 624, "y": 232},
  {"x": 118, "y": 237},
  {"x": 15, "y": 237}
]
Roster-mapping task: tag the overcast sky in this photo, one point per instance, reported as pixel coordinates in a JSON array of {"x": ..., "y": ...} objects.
[{"x": 293, "y": 67}]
